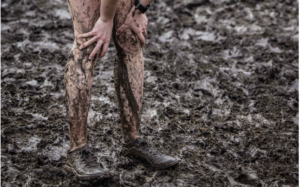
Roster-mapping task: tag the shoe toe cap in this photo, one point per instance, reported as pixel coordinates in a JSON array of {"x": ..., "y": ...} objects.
[
  {"x": 167, "y": 161},
  {"x": 93, "y": 172}
]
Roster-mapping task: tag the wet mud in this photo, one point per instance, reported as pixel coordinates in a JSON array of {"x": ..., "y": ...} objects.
[{"x": 220, "y": 93}]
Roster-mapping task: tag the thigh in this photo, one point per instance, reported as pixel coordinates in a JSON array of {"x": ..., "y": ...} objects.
[
  {"x": 123, "y": 8},
  {"x": 84, "y": 14},
  {"x": 128, "y": 40}
]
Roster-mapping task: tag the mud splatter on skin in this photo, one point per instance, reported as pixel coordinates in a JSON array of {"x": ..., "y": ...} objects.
[
  {"x": 130, "y": 109},
  {"x": 79, "y": 75},
  {"x": 130, "y": 113},
  {"x": 80, "y": 21},
  {"x": 220, "y": 92},
  {"x": 123, "y": 4},
  {"x": 87, "y": 12},
  {"x": 130, "y": 128}
]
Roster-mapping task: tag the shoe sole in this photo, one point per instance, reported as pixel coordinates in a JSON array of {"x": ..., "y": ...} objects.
[
  {"x": 155, "y": 167},
  {"x": 167, "y": 165},
  {"x": 92, "y": 176}
]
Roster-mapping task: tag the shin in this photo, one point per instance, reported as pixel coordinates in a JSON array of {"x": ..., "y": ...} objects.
[
  {"x": 129, "y": 75},
  {"x": 79, "y": 72}
]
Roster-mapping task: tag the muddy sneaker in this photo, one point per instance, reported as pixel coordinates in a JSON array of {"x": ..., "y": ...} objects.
[
  {"x": 141, "y": 149},
  {"x": 83, "y": 163}
]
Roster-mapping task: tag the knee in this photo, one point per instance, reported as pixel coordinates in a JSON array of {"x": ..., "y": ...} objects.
[
  {"x": 78, "y": 42},
  {"x": 129, "y": 41},
  {"x": 79, "y": 56}
]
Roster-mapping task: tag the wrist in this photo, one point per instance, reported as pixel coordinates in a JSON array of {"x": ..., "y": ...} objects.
[
  {"x": 143, "y": 3},
  {"x": 141, "y": 6},
  {"x": 137, "y": 11},
  {"x": 106, "y": 20}
]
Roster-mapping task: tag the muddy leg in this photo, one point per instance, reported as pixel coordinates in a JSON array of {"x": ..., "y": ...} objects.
[
  {"x": 129, "y": 74},
  {"x": 79, "y": 71}
]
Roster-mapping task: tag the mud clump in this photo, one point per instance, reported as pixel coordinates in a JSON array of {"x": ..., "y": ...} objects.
[{"x": 220, "y": 93}]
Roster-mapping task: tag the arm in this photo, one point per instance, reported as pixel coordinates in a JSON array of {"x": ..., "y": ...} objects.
[
  {"x": 108, "y": 9},
  {"x": 102, "y": 30},
  {"x": 146, "y": 2},
  {"x": 137, "y": 22}
]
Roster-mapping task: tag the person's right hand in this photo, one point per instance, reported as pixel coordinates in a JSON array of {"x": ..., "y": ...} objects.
[
  {"x": 101, "y": 34},
  {"x": 137, "y": 22}
]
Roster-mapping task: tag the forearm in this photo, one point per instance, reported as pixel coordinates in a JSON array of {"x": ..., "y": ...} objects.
[
  {"x": 108, "y": 9},
  {"x": 146, "y": 2}
]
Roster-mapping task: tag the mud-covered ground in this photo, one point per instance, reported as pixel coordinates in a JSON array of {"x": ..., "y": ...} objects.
[{"x": 221, "y": 94}]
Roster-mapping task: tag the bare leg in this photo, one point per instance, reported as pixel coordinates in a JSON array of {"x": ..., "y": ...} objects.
[
  {"x": 129, "y": 80},
  {"x": 79, "y": 71},
  {"x": 129, "y": 74}
]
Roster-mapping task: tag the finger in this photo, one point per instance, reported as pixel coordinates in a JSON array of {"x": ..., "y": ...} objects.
[
  {"x": 142, "y": 39},
  {"x": 104, "y": 49},
  {"x": 89, "y": 42},
  {"x": 144, "y": 32},
  {"x": 89, "y": 34},
  {"x": 122, "y": 29},
  {"x": 96, "y": 49}
]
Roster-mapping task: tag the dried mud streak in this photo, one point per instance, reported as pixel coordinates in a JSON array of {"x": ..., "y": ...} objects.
[
  {"x": 77, "y": 109},
  {"x": 78, "y": 82},
  {"x": 128, "y": 63},
  {"x": 94, "y": 19},
  {"x": 121, "y": 79},
  {"x": 78, "y": 23}
]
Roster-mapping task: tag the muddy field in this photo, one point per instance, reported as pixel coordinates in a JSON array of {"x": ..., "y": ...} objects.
[{"x": 221, "y": 94}]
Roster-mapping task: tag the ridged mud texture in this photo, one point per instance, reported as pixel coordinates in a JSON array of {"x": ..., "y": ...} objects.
[{"x": 220, "y": 93}]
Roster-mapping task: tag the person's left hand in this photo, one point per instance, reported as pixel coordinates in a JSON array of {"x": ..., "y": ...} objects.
[{"x": 137, "y": 22}]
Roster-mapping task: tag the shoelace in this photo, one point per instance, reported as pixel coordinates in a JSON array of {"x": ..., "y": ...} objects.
[{"x": 147, "y": 148}]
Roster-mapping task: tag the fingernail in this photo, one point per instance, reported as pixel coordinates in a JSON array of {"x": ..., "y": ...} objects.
[
  {"x": 80, "y": 47},
  {"x": 90, "y": 58}
]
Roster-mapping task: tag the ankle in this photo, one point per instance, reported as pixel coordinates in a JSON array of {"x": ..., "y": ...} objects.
[
  {"x": 130, "y": 140},
  {"x": 75, "y": 147}
]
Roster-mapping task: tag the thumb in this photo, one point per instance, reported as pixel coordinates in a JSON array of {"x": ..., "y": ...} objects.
[{"x": 122, "y": 29}]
